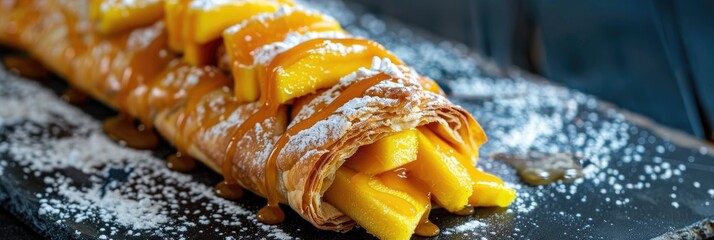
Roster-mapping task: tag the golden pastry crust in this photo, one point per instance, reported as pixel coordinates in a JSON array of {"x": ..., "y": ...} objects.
[{"x": 306, "y": 164}]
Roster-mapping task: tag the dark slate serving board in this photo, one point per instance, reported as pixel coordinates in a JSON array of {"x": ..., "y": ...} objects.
[{"x": 63, "y": 177}]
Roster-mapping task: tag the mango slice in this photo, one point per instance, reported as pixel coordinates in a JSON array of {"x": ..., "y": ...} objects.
[
  {"x": 386, "y": 154},
  {"x": 387, "y": 186},
  {"x": 488, "y": 190},
  {"x": 243, "y": 39},
  {"x": 384, "y": 212},
  {"x": 202, "y": 54},
  {"x": 206, "y": 19},
  {"x": 320, "y": 63},
  {"x": 115, "y": 16},
  {"x": 175, "y": 10},
  {"x": 194, "y": 24},
  {"x": 264, "y": 29},
  {"x": 441, "y": 171}
]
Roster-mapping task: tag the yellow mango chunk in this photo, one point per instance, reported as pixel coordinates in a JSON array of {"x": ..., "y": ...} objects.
[
  {"x": 489, "y": 190},
  {"x": 95, "y": 9},
  {"x": 206, "y": 19},
  {"x": 243, "y": 39},
  {"x": 246, "y": 83},
  {"x": 202, "y": 54},
  {"x": 384, "y": 212},
  {"x": 264, "y": 29},
  {"x": 175, "y": 10},
  {"x": 386, "y": 154},
  {"x": 200, "y": 22},
  {"x": 441, "y": 171},
  {"x": 320, "y": 63},
  {"x": 115, "y": 16}
]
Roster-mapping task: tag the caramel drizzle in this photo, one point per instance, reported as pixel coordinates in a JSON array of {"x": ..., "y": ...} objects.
[
  {"x": 271, "y": 213},
  {"x": 74, "y": 96},
  {"x": 26, "y": 67},
  {"x": 268, "y": 97},
  {"x": 192, "y": 102},
  {"x": 155, "y": 94},
  {"x": 121, "y": 128},
  {"x": 247, "y": 39},
  {"x": 138, "y": 73},
  {"x": 145, "y": 65},
  {"x": 269, "y": 107},
  {"x": 271, "y": 178},
  {"x": 181, "y": 162}
]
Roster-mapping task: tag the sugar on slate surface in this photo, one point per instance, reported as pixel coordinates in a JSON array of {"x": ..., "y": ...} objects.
[
  {"x": 469, "y": 226},
  {"x": 552, "y": 119},
  {"x": 139, "y": 205},
  {"x": 517, "y": 118}
]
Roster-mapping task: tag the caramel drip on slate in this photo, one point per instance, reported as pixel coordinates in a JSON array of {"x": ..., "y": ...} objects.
[
  {"x": 122, "y": 129},
  {"x": 271, "y": 171},
  {"x": 181, "y": 162},
  {"x": 426, "y": 228},
  {"x": 26, "y": 67},
  {"x": 229, "y": 191},
  {"x": 539, "y": 168},
  {"x": 74, "y": 96}
]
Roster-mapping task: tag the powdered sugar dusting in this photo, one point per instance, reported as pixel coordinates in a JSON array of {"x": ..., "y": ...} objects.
[
  {"x": 378, "y": 66},
  {"x": 624, "y": 163},
  {"x": 89, "y": 178},
  {"x": 469, "y": 226},
  {"x": 264, "y": 17},
  {"x": 125, "y": 5},
  {"x": 338, "y": 48},
  {"x": 141, "y": 38},
  {"x": 209, "y": 4},
  {"x": 329, "y": 129},
  {"x": 266, "y": 53}
]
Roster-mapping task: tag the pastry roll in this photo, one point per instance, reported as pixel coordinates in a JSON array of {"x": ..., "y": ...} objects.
[{"x": 333, "y": 126}]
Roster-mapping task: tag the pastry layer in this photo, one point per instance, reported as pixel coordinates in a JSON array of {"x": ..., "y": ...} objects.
[{"x": 193, "y": 107}]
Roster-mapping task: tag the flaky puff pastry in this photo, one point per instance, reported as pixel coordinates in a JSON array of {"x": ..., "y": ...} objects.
[
  {"x": 308, "y": 162},
  {"x": 172, "y": 97}
]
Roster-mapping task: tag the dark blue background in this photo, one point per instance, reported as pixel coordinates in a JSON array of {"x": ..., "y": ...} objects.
[{"x": 655, "y": 57}]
